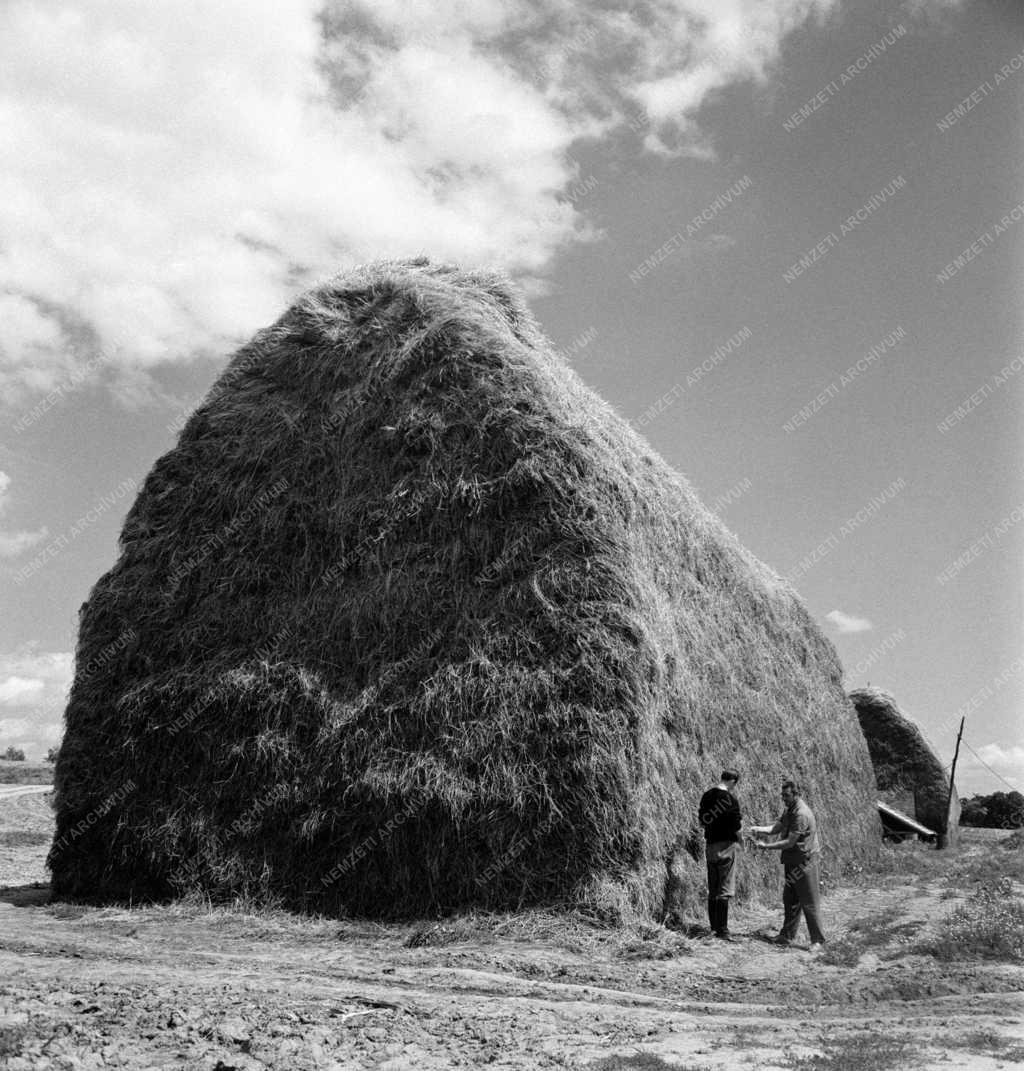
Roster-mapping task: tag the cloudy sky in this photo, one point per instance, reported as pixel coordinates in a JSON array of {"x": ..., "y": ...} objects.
[{"x": 783, "y": 237}]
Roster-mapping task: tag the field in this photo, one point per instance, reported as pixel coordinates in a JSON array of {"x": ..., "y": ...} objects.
[
  {"x": 25, "y": 773},
  {"x": 900, "y": 985}
]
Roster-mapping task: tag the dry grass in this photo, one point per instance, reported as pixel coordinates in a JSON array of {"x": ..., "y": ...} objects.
[
  {"x": 867, "y": 1052},
  {"x": 989, "y": 1043},
  {"x": 985, "y": 869},
  {"x": 21, "y": 838},
  {"x": 989, "y": 926},
  {"x": 902, "y": 759},
  {"x": 874, "y": 933},
  {"x": 643, "y": 1061},
  {"x": 410, "y": 621},
  {"x": 25, "y": 773},
  {"x": 572, "y": 931}
]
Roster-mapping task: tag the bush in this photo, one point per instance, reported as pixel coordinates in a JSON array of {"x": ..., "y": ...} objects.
[
  {"x": 1000, "y": 810},
  {"x": 989, "y": 926},
  {"x": 14, "y": 754},
  {"x": 51, "y": 755}
]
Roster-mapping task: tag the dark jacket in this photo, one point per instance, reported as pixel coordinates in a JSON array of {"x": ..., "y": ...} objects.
[{"x": 720, "y": 816}]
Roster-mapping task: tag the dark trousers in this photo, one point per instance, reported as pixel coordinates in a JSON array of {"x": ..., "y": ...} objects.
[
  {"x": 721, "y": 859},
  {"x": 802, "y": 892}
]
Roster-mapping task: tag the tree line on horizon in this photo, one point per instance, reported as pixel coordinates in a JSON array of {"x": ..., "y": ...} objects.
[
  {"x": 999, "y": 810},
  {"x": 17, "y": 754}
]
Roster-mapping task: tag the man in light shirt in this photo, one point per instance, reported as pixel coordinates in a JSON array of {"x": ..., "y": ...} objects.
[{"x": 801, "y": 857}]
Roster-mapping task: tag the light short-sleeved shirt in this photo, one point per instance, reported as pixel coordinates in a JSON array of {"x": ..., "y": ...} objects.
[{"x": 800, "y": 820}]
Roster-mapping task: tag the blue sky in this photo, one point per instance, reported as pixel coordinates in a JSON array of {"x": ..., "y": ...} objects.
[{"x": 783, "y": 238}]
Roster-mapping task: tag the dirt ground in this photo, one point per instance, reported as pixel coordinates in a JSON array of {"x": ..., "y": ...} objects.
[{"x": 190, "y": 986}]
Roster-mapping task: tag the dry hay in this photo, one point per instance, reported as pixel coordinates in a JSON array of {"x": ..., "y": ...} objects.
[
  {"x": 903, "y": 761},
  {"x": 410, "y": 620}
]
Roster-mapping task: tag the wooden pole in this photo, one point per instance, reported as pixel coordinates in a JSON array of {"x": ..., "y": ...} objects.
[{"x": 944, "y": 838}]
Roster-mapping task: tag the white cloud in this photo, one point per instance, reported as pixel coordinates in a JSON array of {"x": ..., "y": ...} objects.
[
  {"x": 14, "y": 729},
  {"x": 704, "y": 45},
  {"x": 166, "y": 173},
  {"x": 34, "y": 736},
  {"x": 1008, "y": 761},
  {"x": 18, "y": 689},
  {"x": 171, "y": 175},
  {"x": 53, "y": 669},
  {"x": 34, "y": 686},
  {"x": 847, "y": 622},
  {"x": 13, "y": 543}
]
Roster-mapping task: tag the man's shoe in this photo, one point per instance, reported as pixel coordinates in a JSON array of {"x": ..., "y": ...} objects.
[
  {"x": 725, "y": 935},
  {"x": 817, "y": 946},
  {"x": 785, "y": 942}
]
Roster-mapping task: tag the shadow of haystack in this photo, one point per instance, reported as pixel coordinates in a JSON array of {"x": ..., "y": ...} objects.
[{"x": 411, "y": 620}]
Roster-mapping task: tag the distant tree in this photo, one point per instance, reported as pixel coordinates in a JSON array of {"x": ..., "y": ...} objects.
[
  {"x": 14, "y": 754},
  {"x": 51, "y": 755},
  {"x": 973, "y": 812},
  {"x": 1006, "y": 810},
  {"x": 1000, "y": 810}
]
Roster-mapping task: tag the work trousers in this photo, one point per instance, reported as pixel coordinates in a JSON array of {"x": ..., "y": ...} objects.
[
  {"x": 802, "y": 892},
  {"x": 721, "y": 860}
]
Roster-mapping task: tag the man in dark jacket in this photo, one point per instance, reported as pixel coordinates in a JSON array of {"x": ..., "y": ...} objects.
[{"x": 720, "y": 817}]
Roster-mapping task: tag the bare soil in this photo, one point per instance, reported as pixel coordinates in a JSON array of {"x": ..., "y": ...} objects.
[{"x": 194, "y": 986}]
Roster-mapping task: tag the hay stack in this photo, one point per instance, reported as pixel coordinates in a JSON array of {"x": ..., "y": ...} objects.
[
  {"x": 416, "y": 622},
  {"x": 905, "y": 766}
]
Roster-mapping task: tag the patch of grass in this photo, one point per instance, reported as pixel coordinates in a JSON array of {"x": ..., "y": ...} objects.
[
  {"x": 12, "y": 1039},
  {"x": 642, "y": 1061},
  {"x": 573, "y": 931},
  {"x": 433, "y": 935},
  {"x": 243, "y": 915},
  {"x": 867, "y": 1052},
  {"x": 874, "y": 932},
  {"x": 22, "y": 838},
  {"x": 25, "y": 773},
  {"x": 653, "y": 942},
  {"x": 986, "y": 867},
  {"x": 1014, "y": 841},
  {"x": 747, "y": 1036},
  {"x": 960, "y": 869},
  {"x": 897, "y": 861},
  {"x": 989, "y": 926},
  {"x": 988, "y": 1043}
]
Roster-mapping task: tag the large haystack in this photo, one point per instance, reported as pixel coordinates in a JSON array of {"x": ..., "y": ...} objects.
[
  {"x": 906, "y": 768},
  {"x": 409, "y": 619}
]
